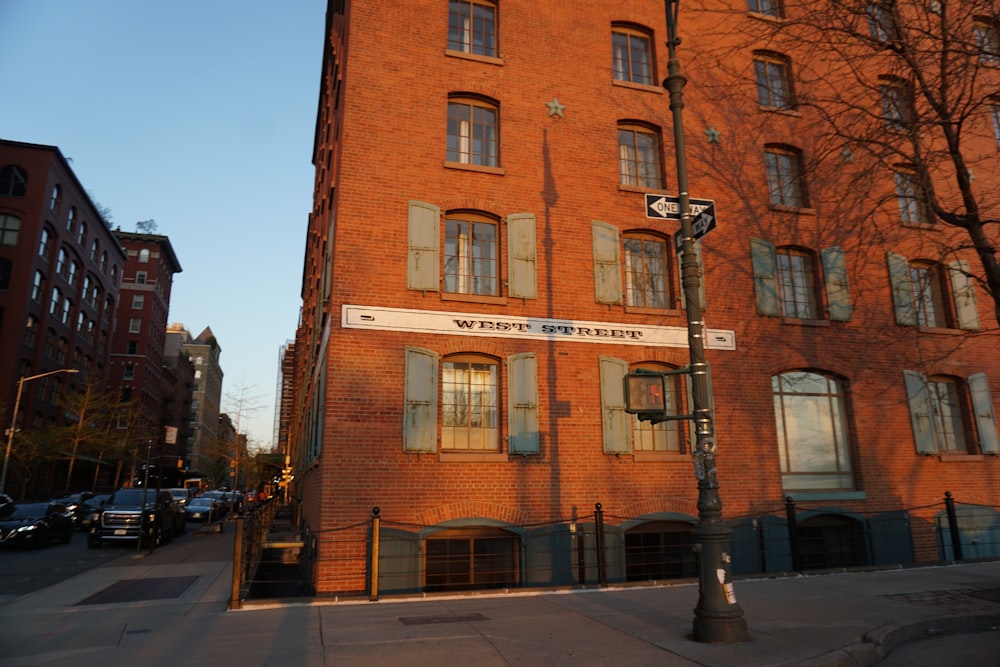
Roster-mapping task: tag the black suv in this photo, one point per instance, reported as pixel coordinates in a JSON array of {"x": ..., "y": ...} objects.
[{"x": 127, "y": 509}]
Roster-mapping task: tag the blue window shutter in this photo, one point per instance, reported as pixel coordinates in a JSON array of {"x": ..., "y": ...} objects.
[
  {"x": 521, "y": 267},
  {"x": 765, "y": 277},
  {"x": 522, "y": 423},
  {"x": 420, "y": 409},
  {"x": 838, "y": 296},
  {"x": 607, "y": 263},
  {"x": 920, "y": 412},
  {"x": 423, "y": 266},
  {"x": 616, "y": 424},
  {"x": 966, "y": 311},
  {"x": 986, "y": 419},
  {"x": 902, "y": 292}
]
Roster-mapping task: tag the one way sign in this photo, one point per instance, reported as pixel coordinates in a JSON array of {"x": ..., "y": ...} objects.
[
  {"x": 668, "y": 207},
  {"x": 702, "y": 224}
]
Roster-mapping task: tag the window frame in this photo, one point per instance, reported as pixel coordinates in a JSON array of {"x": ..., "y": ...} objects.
[
  {"x": 839, "y": 477},
  {"x": 911, "y": 198},
  {"x": 785, "y": 172},
  {"x": 13, "y": 181},
  {"x": 637, "y": 283},
  {"x": 624, "y": 66},
  {"x": 488, "y": 432},
  {"x": 10, "y": 229},
  {"x": 897, "y": 102},
  {"x": 773, "y": 78},
  {"x": 467, "y": 45},
  {"x": 770, "y": 8},
  {"x": 987, "y": 40},
  {"x": 882, "y": 24},
  {"x": 798, "y": 290},
  {"x": 635, "y": 162},
  {"x": 460, "y": 263},
  {"x": 464, "y": 128}
]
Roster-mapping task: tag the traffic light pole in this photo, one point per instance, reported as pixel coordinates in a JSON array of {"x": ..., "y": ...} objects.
[{"x": 717, "y": 617}]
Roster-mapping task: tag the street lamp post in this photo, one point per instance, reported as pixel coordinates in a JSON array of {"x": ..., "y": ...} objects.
[
  {"x": 13, "y": 421},
  {"x": 717, "y": 617}
]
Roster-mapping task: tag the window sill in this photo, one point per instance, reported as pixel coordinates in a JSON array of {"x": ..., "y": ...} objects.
[
  {"x": 490, "y": 60},
  {"x": 954, "y": 457},
  {"x": 660, "y": 457},
  {"x": 648, "y": 88},
  {"x": 765, "y": 17},
  {"x": 639, "y": 310},
  {"x": 472, "y": 457},
  {"x": 474, "y": 167},
  {"x": 625, "y": 187},
  {"x": 805, "y": 323},
  {"x": 941, "y": 331},
  {"x": 474, "y": 298},
  {"x": 781, "y": 111},
  {"x": 802, "y": 210},
  {"x": 929, "y": 226}
]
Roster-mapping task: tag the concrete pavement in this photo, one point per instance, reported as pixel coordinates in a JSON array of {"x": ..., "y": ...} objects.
[{"x": 170, "y": 608}]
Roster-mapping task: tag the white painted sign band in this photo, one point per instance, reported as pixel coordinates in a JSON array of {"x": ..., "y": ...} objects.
[{"x": 498, "y": 326}]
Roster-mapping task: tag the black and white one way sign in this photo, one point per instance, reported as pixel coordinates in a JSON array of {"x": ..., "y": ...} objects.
[{"x": 668, "y": 207}]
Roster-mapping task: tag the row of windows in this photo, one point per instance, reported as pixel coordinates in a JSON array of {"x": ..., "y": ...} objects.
[
  {"x": 948, "y": 414},
  {"x": 640, "y": 270}
]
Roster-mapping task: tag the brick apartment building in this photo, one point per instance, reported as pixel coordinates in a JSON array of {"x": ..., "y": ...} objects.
[
  {"x": 138, "y": 365},
  {"x": 60, "y": 269},
  {"x": 482, "y": 270}
]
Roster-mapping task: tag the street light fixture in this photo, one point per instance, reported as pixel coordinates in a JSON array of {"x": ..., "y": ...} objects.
[
  {"x": 717, "y": 617},
  {"x": 13, "y": 421}
]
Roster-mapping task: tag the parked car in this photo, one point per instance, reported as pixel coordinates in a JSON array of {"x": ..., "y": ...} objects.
[
  {"x": 224, "y": 498},
  {"x": 181, "y": 496},
  {"x": 35, "y": 524},
  {"x": 75, "y": 503},
  {"x": 88, "y": 510},
  {"x": 133, "y": 513},
  {"x": 203, "y": 508}
]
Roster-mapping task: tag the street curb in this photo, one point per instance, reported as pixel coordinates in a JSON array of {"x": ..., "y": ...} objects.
[{"x": 879, "y": 643}]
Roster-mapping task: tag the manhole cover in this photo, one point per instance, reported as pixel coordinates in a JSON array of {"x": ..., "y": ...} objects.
[
  {"x": 450, "y": 618},
  {"x": 138, "y": 590}
]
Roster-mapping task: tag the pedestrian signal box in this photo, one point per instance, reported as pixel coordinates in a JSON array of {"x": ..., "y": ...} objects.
[{"x": 646, "y": 395}]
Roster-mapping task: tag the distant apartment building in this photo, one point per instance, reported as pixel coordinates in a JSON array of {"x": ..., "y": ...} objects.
[
  {"x": 139, "y": 339},
  {"x": 60, "y": 271},
  {"x": 203, "y": 352},
  {"x": 284, "y": 397},
  {"x": 492, "y": 250}
]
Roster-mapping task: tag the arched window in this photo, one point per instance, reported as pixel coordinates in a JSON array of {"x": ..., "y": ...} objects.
[
  {"x": 470, "y": 254},
  {"x": 773, "y": 72},
  {"x": 647, "y": 271},
  {"x": 813, "y": 445},
  {"x": 639, "y": 156},
  {"x": 470, "y": 414},
  {"x": 785, "y": 177},
  {"x": 633, "y": 54},
  {"x": 70, "y": 219},
  {"x": 56, "y": 202},
  {"x": 660, "y": 550},
  {"x": 13, "y": 181},
  {"x": 473, "y": 131},
  {"x": 36, "y": 286},
  {"x": 45, "y": 245},
  {"x": 143, "y": 256}
]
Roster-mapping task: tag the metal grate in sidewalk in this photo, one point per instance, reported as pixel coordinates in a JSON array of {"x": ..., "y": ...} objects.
[{"x": 140, "y": 590}]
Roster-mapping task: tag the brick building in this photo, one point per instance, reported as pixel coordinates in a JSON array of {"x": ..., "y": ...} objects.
[
  {"x": 483, "y": 267},
  {"x": 138, "y": 365},
  {"x": 60, "y": 269}
]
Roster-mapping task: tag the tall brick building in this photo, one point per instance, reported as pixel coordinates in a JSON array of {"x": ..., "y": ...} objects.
[{"x": 483, "y": 266}]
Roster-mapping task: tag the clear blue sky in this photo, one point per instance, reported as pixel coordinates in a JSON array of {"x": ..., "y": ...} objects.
[{"x": 200, "y": 115}]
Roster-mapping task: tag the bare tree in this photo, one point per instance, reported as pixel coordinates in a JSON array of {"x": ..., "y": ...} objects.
[
  {"x": 146, "y": 226},
  {"x": 896, "y": 106}
]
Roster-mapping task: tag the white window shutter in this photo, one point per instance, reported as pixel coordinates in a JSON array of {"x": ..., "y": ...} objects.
[
  {"x": 765, "y": 277},
  {"x": 965, "y": 296},
  {"x": 616, "y": 424},
  {"x": 986, "y": 419},
  {"x": 838, "y": 296},
  {"x": 920, "y": 412},
  {"x": 607, "y": 263},
  {"x": 423, "y": 265},
  {"x": 420, "y": 409},
  {"x": 902, "y": 292},
  {"x": 522, "y": 412},
  {"x": 522, "y": 281}
]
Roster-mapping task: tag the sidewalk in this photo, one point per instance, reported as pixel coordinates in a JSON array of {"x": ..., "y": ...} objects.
[{"x": 169, "y": 609}]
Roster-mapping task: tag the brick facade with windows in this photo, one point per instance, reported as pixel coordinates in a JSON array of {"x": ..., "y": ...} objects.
[{"x": 475, "y": 291}]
